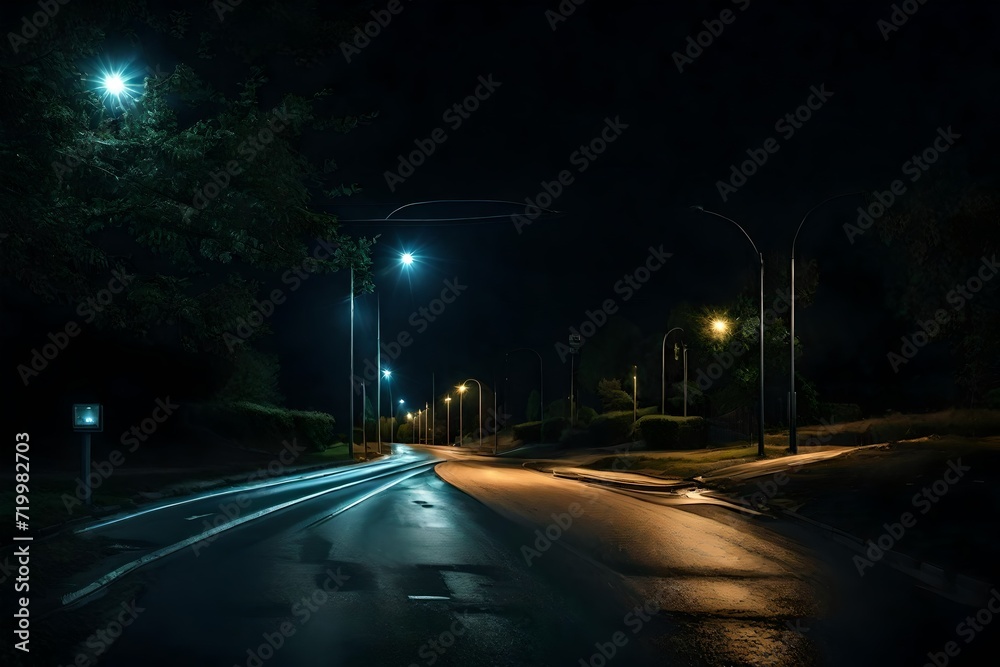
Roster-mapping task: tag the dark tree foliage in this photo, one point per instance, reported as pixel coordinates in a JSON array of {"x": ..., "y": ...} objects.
[
  {"x": 947, "y": 233},
  {"x": 185, "y": 191}
]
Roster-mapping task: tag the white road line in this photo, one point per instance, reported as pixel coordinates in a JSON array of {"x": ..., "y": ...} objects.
[
  {"x": 230, "y": 490},
  {"x": 173, "y": 548}
]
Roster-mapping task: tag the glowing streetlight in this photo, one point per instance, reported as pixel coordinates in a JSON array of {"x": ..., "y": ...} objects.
[
  {"x": 386, "y": 375},
  {"x": 447, "y": 401},
  {"x": 635, "y": 392},
  {"x": 760, "y": 373},
  {"x": 461, "y": 394},
  {"x": 406, "y": 258},
  {"x": 114, "y": 85},
  {"x": 720, "y": 327},
  {"x": 463, "y": 388}
]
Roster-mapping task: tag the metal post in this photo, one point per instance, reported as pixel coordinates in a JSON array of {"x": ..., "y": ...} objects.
[
  {"x": 350, "y": 422},
  {"x": 378, "y": 365},
  {"x": 663, "y": 375},
  {"x": 364, "y": 431},
  {"x": 433, "y": 409},
  {"x": 635, "y": 391},
  {"x": 793, "y": 444},
  {"x": 85, "y": 460},
  {"x": 685, "y": 352},
  {"x": 760, "y": 423},
  {"x": 494, "y": 416},
  {"x": 447, "y": 402}
]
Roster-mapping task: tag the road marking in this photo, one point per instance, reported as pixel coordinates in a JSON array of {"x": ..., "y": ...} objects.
[
  {"x": 234, "y": 489},
  {"x": 196, "y": 516},
  {"x": 69, "y": 598},
  {"x": 428, "y": 597}
]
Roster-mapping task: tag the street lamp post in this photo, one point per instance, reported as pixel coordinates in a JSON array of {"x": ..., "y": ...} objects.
[
  {"x": 364, "y": 431},
  {"x": 427, "y": 412},
  {"x": 663, "y": 374},
  {"x": 378, "y": 364},
  {"x": 541, "y": 388},
  {"x": 447, "y": 402},
  {"x": 760, "y": 400},
  {"x": 635, "y": 393},
  {"x": 461, "y": 408},
  {"x": 351, "y": 421},
  {"x": 392, "y": 420},
  {"x": 387, "y": 376},
  {"x": 409, "y": 418},
  {"x": 480, "y": 409},
  {"x": 793, "y": 443}
]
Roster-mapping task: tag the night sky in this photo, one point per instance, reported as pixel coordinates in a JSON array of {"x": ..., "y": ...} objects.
[{"x": 557, "y": 86}]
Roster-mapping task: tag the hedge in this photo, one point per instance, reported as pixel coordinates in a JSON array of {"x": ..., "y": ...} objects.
[
  {"x": 611, "y": 428},
  {"x": 670, "y": 432},
  {"x": 532, "y": 431},
  {"x": 263, "y": 424}
]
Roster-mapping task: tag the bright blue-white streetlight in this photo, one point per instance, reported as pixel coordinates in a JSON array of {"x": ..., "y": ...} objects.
[
  {"x": 406, "y": 258},
  {"x": 115, "y": 85}
]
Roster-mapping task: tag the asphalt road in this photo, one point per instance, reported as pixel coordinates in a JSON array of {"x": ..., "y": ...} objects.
[{"x": 415, "y": 572}]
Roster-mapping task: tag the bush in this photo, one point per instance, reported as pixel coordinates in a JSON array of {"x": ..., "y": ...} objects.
[
  {"x": 265, "y": 425},
  {"x": 611, "y": 428},
  {"x": 532, "y": 432},
  {"x": 586, "y": 415},
  {"x": 839, "y": 413},
  {"x": 669, "y": 432}
]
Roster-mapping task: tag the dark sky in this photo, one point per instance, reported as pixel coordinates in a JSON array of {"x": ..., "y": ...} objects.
[{"x": 889, "y": 96}]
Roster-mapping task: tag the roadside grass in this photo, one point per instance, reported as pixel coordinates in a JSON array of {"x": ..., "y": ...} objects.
[
  {"x": 862, "y": 491},
  {"x": 685, "y": 464},
  {"x": 895, "y": 427}
]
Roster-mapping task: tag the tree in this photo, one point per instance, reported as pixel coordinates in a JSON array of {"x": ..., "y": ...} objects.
[
  {"x": 185, "y": 195},
  {"x": 612, "y": 396},
  {"x": 254, "y": 378},
  {"x": 947, "y": 226}
]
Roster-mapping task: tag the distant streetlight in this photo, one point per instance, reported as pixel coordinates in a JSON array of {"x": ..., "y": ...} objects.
[
  {"x": 635, "y": 392},
  {"x": 480, "y": 409},
  {"x": 409, "y": 418},
  {"x": 447, "y": 402},
  {"x": 386, "y": 375},
  {"x": 663, "y": 372},
  {"x": 760, "y": 256},
  {"x": 461, "y": 395},
  {"x": 406, "y": 258},
  {"x": 720, "y": 327},
  {"x": 793, "y": 444}
]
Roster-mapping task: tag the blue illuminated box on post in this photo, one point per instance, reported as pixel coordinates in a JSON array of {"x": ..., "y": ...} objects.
[{"x": 88, "y": 417}]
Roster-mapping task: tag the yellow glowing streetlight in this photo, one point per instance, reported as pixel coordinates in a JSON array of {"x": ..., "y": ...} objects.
[{"x": 461, "y": 394}]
